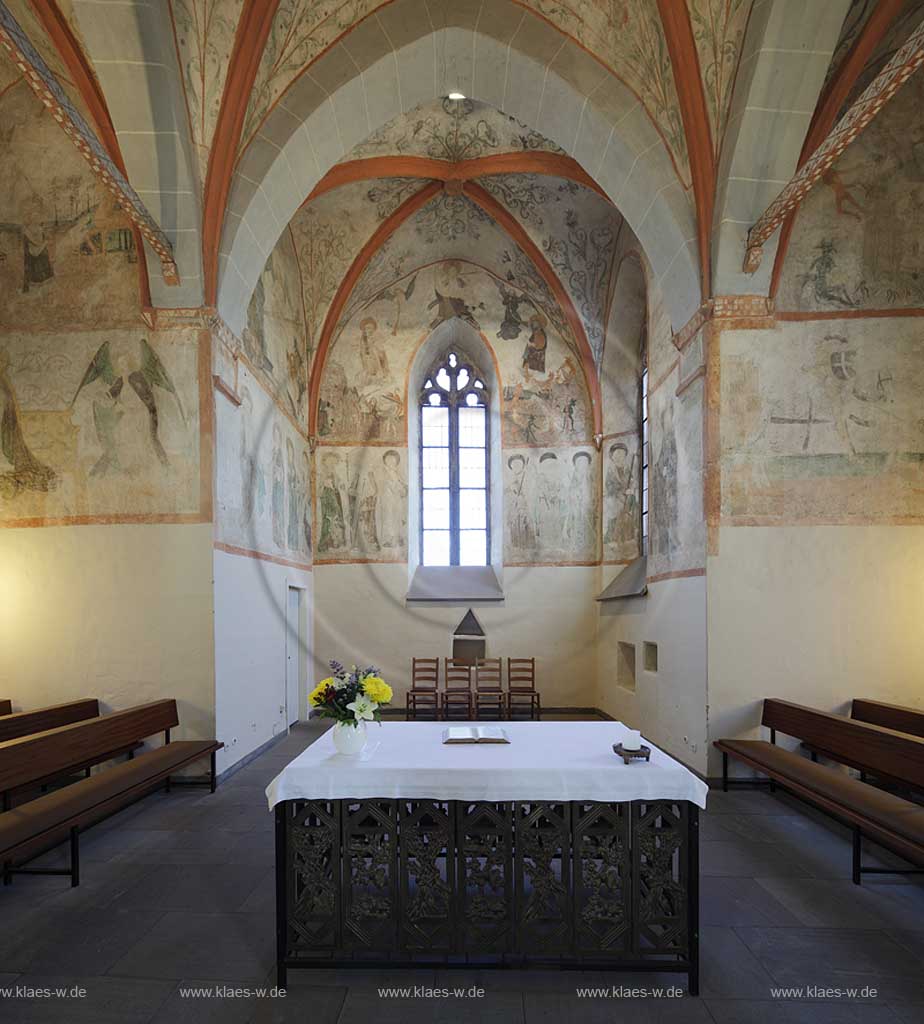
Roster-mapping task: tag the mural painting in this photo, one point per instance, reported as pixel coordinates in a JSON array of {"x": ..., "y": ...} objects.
[
  {"x": 577, "y": 230},
  {"x": 67, "y": 252},
  {"x": 274, "y": 340},
  {"x": 621, "y": 492},
  {"x": 204, "y": 31},
  {"x": 99, "y": 423},
  {"x": 858, "y": 241},
  {"x": 550, "y": 505},
  {"x": 263, "y": 497},
  {"x": 362, "y": 391},
  {"x": 831, "y": 424},
  {"x": 361, "y": 504}
]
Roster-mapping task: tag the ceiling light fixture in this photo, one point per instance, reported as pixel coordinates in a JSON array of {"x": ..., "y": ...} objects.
[{"x": 457, "y": 96}]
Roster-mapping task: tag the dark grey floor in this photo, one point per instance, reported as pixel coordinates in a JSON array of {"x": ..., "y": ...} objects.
[{"x": 177, "y": 891}]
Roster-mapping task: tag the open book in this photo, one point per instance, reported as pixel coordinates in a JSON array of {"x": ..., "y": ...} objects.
[{"x": 474, "y": 734}]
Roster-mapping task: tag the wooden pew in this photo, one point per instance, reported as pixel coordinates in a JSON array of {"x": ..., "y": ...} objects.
[
  {"x": 6, "y": 707},
  {"x": 25, "y": 722},
  {"x": 891, "y": 821},
  {"x": 889, "y": 716},
  {"x": 40, "y": 824}
]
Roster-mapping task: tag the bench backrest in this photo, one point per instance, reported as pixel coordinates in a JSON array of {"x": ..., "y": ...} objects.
[
  {"x": 869, "y": 747},
  {"x": 889, "y": 716},
  {"x": 6, "y": 707},
  {"x": 29, "y": 758},
  {"x": 25, "y": 722}
]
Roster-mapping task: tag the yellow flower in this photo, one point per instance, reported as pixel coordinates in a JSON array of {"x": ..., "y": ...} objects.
[
  {"x": 316, "y": 696},
  {"x": 377, "y": 689}
]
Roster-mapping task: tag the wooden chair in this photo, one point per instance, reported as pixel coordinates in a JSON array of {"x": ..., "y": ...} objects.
[
  {"x": 490, "y": 698},
  {"x": 522, "y": 695},
  {"x": 423, "y": 696},
  {"x": 457, "y": 695}
]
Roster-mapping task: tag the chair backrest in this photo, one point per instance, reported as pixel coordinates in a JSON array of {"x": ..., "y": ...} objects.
[
  {"x": 889, "y": 716},
  {"x": 42, "y": 754},
  {"x": 6, "y": 707},
  {"x": 867, "y": 747},
  {"x": 25, "y": 722},
  {"x": 488, "y": 674},
  {"x": 458, "y": 674},
  {"x": 425, "y": 673},
  {"x": 521, "y": 674}
]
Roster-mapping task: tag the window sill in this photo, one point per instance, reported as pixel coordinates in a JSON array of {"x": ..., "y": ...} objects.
[
  {"x": 455, "y": 583},
  {"x": 631, "y": 582}
]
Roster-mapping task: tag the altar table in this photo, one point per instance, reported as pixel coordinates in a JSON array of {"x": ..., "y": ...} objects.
[{"x": 547, "y": 850}]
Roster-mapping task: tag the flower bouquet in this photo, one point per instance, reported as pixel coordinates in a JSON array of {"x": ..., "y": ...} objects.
[{"x": 351, "y": 699}]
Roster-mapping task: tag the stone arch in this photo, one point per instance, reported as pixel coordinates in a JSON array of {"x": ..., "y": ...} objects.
[
  {"x": 786, "y": 54},
  {"x": 131, "y": 48},
  {"x": 519, "y": 64}
]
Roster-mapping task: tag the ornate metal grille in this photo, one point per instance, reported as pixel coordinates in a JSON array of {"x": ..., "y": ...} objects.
[{"x": 575, "y": 883}]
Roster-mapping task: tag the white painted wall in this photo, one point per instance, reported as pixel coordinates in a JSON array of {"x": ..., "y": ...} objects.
[
  {"x": 548, "y": 613},
  {"x": 121, "y": 613},
  {"x": 250, "y": 651},
  {"x": 814, "y": 614},
  {"x": 668, "y": 706}
]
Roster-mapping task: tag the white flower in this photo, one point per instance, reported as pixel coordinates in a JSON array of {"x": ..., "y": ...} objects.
[{"x": 363, "y": 708}]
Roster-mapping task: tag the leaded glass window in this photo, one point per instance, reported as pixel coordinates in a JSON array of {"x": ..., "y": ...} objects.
[{"x": 454, "y": 486}]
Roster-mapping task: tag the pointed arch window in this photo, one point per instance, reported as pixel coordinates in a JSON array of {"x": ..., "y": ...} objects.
[{"x": 454, "y": 477}]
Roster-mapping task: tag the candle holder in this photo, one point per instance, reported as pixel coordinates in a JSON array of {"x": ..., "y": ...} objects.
[{"x": 642, "y": 754}]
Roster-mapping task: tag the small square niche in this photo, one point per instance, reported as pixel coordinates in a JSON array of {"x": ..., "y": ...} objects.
[
  {"x": 625, "y": 666},
  {"x": 650, "y": 656}
]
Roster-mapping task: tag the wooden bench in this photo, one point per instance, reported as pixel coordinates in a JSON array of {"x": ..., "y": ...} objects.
[
  {"x": 33, "y": 827},
  {"x": 24, "y": 723},
  {"x": 889, "y": 716},
  {"x": 6, "y": 707},
  {"x": 889, "y": 820}
]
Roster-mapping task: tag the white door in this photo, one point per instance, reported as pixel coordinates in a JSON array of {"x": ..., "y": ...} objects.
[{"x": 293, "y": 652}]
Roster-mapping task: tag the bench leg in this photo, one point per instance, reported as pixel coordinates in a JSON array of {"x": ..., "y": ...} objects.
[
  {"x": 724, "y": 772},
  {"x": 167, "y": 784},
  {"x": 212, "y": 779},
  {"x": 857, "y": 839},
  {"x": 8, "y": 873},
  {"x": 75, "y": 857},
  {"x": 815, "y": 756}
]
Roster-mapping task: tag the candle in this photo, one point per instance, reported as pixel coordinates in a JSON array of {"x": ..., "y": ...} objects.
[{"x": 632, "y": 740}]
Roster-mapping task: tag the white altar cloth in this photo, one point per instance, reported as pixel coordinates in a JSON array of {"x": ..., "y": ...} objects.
[{"x": 543, "y": 761}]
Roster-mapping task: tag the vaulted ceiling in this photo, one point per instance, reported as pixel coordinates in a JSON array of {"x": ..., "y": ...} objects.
[{"x": 237, "y": 120}]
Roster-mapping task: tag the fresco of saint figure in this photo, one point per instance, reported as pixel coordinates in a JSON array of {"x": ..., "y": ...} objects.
[
  {"x": 534, "y": 352},
  {"x": 522, "y": 534},
  {"x": 304, "y": 482},
  {"x": 372, "y": 356},
  {"x": 621, "y": 488},
  {"x": 26, "y": 472},
  {"x": 549, "y": 513},
  {"x": 278, "y": 500},
  {"x": 393, "y": 502},
  {"x": 330, "y": 505},
  {"x": 292, "y": 519},
  {"x": 580, "y": 521},
  {"x": 368, "y": 514}
]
